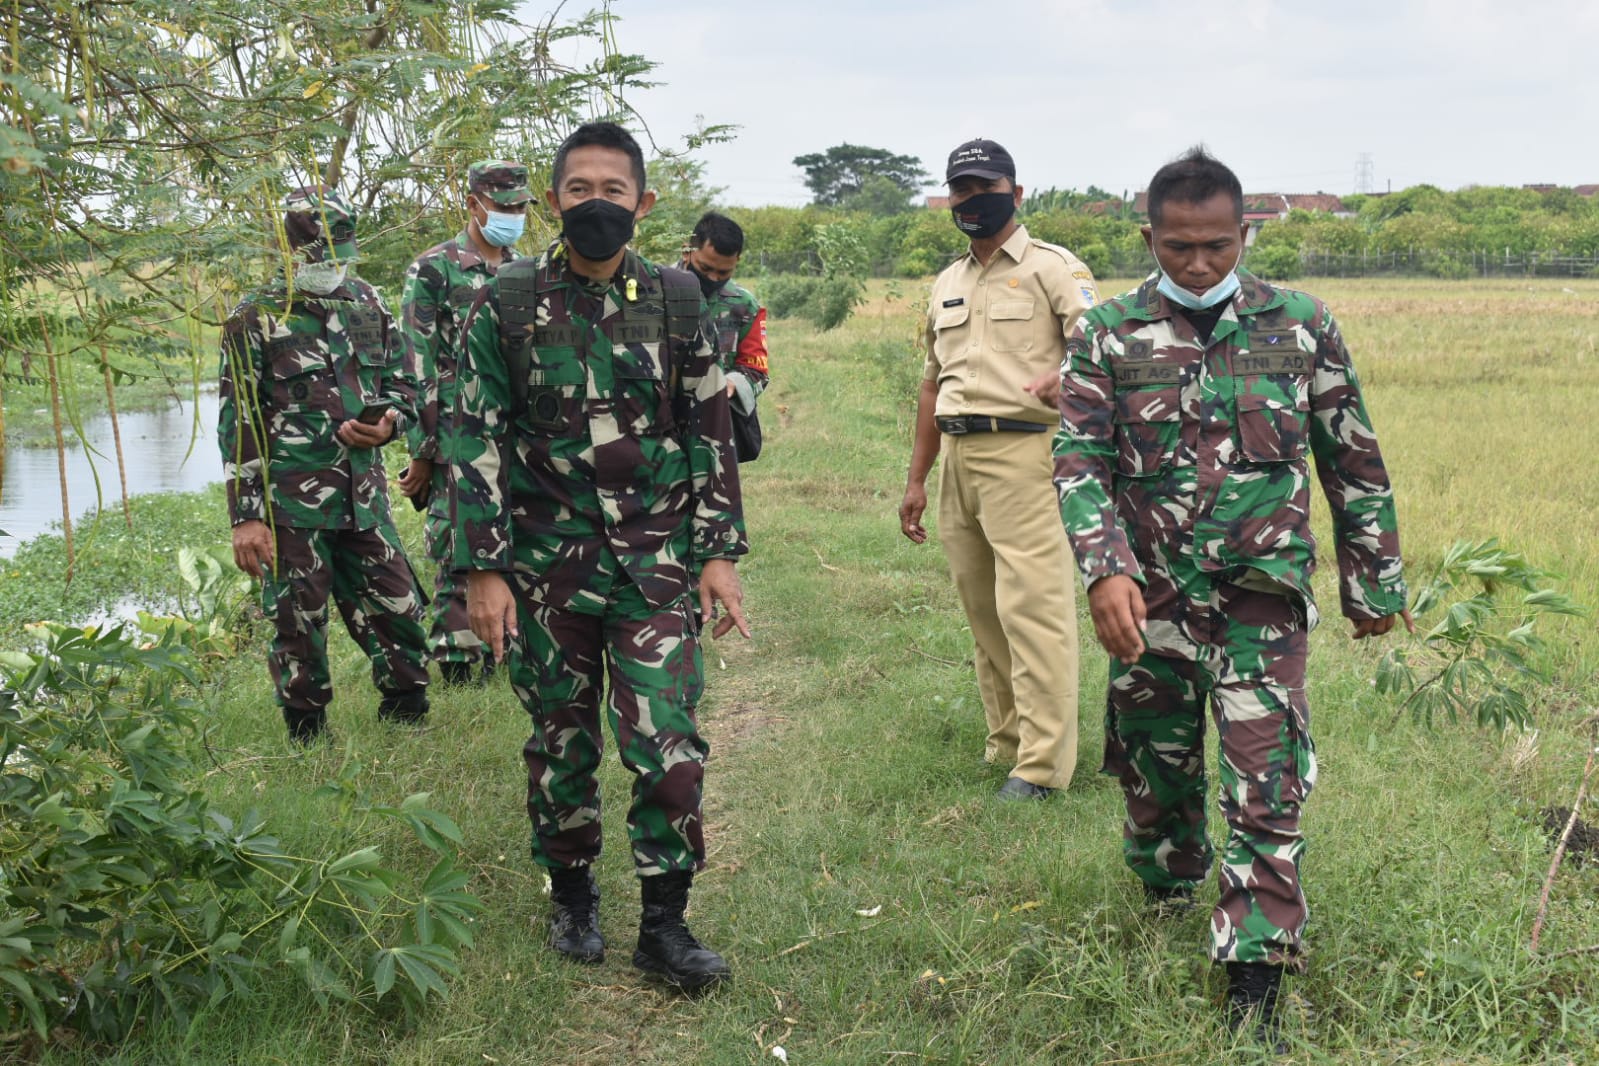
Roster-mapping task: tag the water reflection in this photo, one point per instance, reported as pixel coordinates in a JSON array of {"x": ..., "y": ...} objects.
[{"x": 155, "y": 446}]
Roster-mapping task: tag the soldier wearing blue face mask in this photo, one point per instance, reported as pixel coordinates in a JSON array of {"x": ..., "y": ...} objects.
[{"x": 439, "y": 288}]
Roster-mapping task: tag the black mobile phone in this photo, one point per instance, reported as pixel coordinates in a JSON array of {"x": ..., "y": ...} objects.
[{"x": 373, "y": 412}]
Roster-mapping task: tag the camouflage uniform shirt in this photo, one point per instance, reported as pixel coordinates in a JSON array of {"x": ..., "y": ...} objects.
[
  {"x": 439, "y": 288},
  {"x": 622, "y": 452},
  {"x": 1175, "y": 454},
  {"x": 291, "y": 373},
  {"x": 738, "y": 323}
]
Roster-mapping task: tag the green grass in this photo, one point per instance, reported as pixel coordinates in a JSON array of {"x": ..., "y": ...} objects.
[{"x": 845, "y": 777}]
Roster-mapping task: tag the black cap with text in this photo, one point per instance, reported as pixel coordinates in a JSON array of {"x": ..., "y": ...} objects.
[{"x": 981, "y": 159}]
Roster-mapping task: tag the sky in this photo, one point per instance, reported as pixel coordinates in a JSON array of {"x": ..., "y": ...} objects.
[{"x": 1291, "y": 95}]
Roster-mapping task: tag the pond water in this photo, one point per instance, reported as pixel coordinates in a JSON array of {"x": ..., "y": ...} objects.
[{"x": 156, "y": 446}]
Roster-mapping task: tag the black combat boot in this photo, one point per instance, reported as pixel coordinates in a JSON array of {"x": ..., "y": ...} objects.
[
  {"x": 666, "y": 949},
  {"x": 409, "y": 707},
  {"x": 575, "y": 914},
  {"x": 1252, "y": 1002},
  {"x": 307, "y": 725},
  {"x": 455, "y": 672},
  {"x": 1172, "y": 901}
]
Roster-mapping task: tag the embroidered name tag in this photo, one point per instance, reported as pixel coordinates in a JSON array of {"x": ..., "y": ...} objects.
[
  {"x": 562, "y": 335},
  {"x": 1133, "y": 372},
  {"x": 1271, "y": 363},
  {"x": 637, "y": 332},
  {"x": 956, "y": 302}
]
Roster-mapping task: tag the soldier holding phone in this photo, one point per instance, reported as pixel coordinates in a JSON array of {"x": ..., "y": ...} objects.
[{"x": 311, "y": 388}]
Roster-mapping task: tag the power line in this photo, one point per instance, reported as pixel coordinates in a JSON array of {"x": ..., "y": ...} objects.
[{"x": 1364, "y": 168}]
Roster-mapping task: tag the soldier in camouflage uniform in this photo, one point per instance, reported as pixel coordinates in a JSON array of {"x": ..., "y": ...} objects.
[
  {"x": 311, "y": 388},
  {"x": 594, "y": 484},
  {"x": 439, "y": 287},
  {"x": 1189, "y": 410},
  {"x": 737, "y": 317}
]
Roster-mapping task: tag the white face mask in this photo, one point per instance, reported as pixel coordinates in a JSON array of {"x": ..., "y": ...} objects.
[{"x": 319, "y": 279}]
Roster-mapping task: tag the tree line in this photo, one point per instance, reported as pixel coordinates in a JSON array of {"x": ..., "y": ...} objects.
[{"x": 1419, "y": 230}]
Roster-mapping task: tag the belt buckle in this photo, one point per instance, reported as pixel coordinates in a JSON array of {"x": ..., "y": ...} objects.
[{"x": 956, "y": 427}]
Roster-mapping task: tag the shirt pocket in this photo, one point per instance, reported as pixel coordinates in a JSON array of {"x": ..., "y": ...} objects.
[
  {"x": 1273, "y": 418},
  {"x": 556, "y": 391},
  {"x": 643, "y": 401},
  {"x": 1010, "y": 324},
  {"x": 301, "y": 382},
  {"x": 1147, "y": 426},
  {"x": 950, "y": 327}
]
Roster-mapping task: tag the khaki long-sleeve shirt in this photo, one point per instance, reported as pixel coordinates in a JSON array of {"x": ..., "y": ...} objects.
[{"x": 993, "y": 329}]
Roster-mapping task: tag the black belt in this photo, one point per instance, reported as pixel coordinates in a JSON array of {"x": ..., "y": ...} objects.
[{"x": 960, "y": 425}]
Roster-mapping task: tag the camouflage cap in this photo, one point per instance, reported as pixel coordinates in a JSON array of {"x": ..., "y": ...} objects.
[
  {"x": 500, "y": 180},
  {"x": 315, "y": 218}
]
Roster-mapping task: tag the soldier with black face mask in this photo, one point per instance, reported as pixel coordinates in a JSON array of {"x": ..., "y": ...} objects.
[
  {"x": 593, "y": 491},
  {"x": 996, "y": 335}
]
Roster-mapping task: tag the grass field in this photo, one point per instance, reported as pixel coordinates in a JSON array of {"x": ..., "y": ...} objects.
[{"x": 877, "y": 905}]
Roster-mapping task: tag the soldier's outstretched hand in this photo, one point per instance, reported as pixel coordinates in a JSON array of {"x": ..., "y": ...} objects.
[
  {"x": 719, "y": 584},
  {"x": 1117, "y": 605},
  {"x": 490, "y": 609},
  {"x": 1377, "y": 627}
]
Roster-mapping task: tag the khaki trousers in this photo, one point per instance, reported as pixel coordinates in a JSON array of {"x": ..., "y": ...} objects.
[{"x": 999, "y": 521}]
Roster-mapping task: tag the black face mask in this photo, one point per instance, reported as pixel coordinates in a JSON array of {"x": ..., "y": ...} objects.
[
  {"x": 985, "y": 214},
  {"x": 597, "y": 229},
  {"x": 708, "y": 288}
]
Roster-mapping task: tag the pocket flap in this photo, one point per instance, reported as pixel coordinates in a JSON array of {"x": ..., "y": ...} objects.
[
  {"x": 1010, "y": 309},
  {"x": 561, "y": 372},
  {"x": 1148, "y": 405},
  {"x": 1263, "y": 401},
  {"x": 951, "y": 317}
]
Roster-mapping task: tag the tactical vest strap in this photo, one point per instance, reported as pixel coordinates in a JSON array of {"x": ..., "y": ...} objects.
[
  {"x": 518, "y": 284},
  {"x": 681, "y": 294}
]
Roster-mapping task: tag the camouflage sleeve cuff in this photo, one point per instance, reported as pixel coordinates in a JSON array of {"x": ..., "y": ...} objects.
[
  {"x": 1377, "y": 600},
  {"x": 729, "y": 542}
]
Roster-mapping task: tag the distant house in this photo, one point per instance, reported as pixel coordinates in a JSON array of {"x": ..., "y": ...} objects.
[
  {"x": 938, "y": 203},
  {"x": 1586, "y": 190},
  {"x": 1261, "y": 208}
]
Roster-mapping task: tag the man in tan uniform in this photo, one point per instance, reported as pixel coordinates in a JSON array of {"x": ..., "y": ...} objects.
[{"x": 997, "y": 325}]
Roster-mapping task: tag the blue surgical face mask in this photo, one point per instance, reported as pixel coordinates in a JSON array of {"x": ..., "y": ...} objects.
[
  {"x": 1225, "y": 289},
  {"x": 503, "y": 230}
]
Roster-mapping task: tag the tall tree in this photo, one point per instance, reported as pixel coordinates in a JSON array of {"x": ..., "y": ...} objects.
[
  {"x": 145, "y": 145},
  {"x": 869, "y": 179}
]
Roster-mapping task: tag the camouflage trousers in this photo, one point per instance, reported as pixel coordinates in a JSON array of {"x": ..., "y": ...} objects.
[
  {"x": 650, "y": 658},
  {"x": 368, "y": 577},
  {"x": 450, "y": 636},
  {"x": 1245, "y": 650}
]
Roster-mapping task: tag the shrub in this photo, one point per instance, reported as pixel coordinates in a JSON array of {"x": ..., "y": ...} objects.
[
  {"x": 1278, "y": 262},
  {"x": 786, "y": 295},
  {"x": 124, "y": 893}
]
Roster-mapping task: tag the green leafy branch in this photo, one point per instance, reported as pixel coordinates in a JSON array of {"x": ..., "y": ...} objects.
[
  {"x": 123, "y": 894},
  {"x": 1481, "y": 658}
]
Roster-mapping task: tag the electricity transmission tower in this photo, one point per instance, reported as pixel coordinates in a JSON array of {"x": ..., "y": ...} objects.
[{"x": 1363, "y": 172}]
